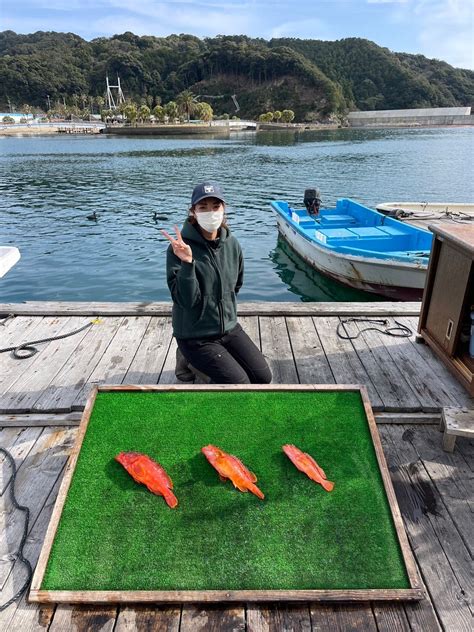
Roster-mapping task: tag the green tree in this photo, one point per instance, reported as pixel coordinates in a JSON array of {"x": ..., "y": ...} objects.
[
  {"x": 204, "y": 111},
  {"x": 276, "y": 115},
  {"x": 130, "y": 112},
  {"x": 186, "y": 103},
  {"x": 159, "y": 113},
  {"x": 143, "y": 113},
  {"x": 287, "y": 116},
  {"x": 171, "y": 111},
  {"x": 100, "y": 103}
]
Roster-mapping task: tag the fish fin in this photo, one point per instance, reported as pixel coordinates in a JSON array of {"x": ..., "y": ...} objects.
[
  {"x": 241, "y": 487},
  {"x": 250, "y": 475},
  {"x": 223, "y": 478}
]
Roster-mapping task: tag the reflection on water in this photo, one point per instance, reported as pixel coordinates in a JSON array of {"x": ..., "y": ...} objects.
[{"x": 309, "y": 284}]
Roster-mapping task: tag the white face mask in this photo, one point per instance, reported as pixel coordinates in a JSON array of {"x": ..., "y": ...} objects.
[{"x": 210, "y": 220}]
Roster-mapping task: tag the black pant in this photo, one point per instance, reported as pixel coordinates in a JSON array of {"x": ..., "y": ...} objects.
[{"x": 229, "y": 359}]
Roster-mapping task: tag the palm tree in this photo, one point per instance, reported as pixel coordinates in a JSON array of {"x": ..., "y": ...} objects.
[
  {"x": 171, "y": 110},
  {"x": 186, "y": 103}
]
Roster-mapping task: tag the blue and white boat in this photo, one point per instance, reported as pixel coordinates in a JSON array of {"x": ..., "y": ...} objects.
[{"x": 359, "y": 247}]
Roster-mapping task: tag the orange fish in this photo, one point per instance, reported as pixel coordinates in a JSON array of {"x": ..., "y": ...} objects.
[
  {"x": 231, "y": 467},
  {"x": 308, "y": 465},
  {"x": 150, "y": 473}
]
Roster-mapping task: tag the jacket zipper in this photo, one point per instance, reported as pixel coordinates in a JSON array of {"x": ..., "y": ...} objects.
[{"x": 219, "y": 306}]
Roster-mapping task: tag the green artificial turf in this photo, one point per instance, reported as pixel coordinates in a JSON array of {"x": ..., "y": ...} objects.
[{"x": 115, "y": 535}]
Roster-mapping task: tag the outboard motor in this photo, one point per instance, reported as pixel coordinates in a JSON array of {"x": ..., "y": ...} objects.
[{"x": 312, "y": 201}]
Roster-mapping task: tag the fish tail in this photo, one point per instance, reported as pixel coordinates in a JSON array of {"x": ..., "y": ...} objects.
[
  {"x": 328, "y": 486},
  {"x": 170, "y": 499},
  {"x": 254, "y": 489}
]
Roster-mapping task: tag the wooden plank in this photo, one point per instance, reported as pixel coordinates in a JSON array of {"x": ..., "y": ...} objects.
[
  {"x": 83, "y": 618},
  {"x": 154, "y": 619},
  {"x": 277, "y": 349},
  {"x": 459, "y": 421},
  {"x": 53, "y": 525},
  {"x": 344, "y": 362},
  {"x": 19, "y": 443},
  {"x": 22, "y": 615},
  {"x": 43, "y": 465},
  {"x": 10, "y": 368},
  {"x": 67, "y": 383},
  {"x": 390, "y": 617},
  {"x": 311, "y": 362},
  {"x": 458, "y": 393},
  {"x": 212, "y": 618},
  {"x": 29, "y": 386},
  {"x": 18, "y": 330},
  {"x": 431, "y": 391},
  {"x": 266, "y": 308},
  {"x": 117, "y": 358},
  {"x": 452, "y": 476},
  {"x": 167, "y": 375},
  {"x": 394, "y": 390},
  {"x": 251, "y": 327},
  {"x": 147, "y": 365},
  {"x": 408, "y": 558},
  {"x": 39, "y": 420},
  {"x": 420, "y": 614},
  {"x": 342, "y": 617},
  {"x": 408, "y": 418},
  {"x": 440, "y": 551},
  {"x": 274, "y": 618}
]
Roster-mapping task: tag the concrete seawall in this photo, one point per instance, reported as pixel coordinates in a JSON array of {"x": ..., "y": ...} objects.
[
  {"x": 420, "y": 117},
  {"x": 419, "y": 121},
  {"x": 168, "y": 130}
]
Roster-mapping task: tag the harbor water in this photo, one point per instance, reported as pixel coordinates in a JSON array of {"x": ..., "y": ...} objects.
[{"x": 50, "y": 186}]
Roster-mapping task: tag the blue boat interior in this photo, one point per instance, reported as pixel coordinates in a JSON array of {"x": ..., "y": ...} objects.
[{"x": 354, "y": 229}]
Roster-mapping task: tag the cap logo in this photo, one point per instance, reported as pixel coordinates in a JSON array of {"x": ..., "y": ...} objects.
[{"x": 208, "y": 189}]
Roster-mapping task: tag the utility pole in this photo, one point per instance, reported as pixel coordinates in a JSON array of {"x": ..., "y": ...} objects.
[{"x": 48, "y": 102}]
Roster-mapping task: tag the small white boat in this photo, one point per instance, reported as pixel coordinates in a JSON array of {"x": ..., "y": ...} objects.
[
  {"x": 9, "y": 255},
  {"x": 427, "y": 211},
  {"x": 359, "y": 247}
]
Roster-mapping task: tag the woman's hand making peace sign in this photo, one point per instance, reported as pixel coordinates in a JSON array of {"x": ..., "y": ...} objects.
[{"x": 180, "y": 249}]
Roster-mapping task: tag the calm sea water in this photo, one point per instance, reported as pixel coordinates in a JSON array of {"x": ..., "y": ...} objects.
[{"x": 49, "y": 185}]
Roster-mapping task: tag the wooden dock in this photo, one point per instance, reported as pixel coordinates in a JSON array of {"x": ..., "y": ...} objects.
[{"x": 41, "y": 399}]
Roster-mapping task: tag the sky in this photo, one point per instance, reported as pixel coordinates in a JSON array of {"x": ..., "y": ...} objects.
[{"x": 441, "y": 29}]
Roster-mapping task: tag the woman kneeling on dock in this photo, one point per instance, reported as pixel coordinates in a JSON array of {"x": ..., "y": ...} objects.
[{"x": 205, "y": 269}]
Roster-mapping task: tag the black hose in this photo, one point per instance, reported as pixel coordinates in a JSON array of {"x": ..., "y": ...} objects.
[
  {"x": 400, "y": 331},
  {"x": 16, "y": 505}
]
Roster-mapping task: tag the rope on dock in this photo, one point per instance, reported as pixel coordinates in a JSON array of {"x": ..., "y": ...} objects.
[
  {"x": 28, "y": 350},
  {"x": 16, "y": 505},
  {"x": 400, "y": 331}
]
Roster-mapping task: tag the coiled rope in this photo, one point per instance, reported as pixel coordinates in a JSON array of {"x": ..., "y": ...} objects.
[
  {"x": 400, "y": 331},
  {"x": 19, "y": 555},
  {"x": 28, "y": 350}
]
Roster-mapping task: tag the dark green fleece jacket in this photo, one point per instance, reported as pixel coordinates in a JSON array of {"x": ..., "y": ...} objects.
[{"x": 204, "y": 291}]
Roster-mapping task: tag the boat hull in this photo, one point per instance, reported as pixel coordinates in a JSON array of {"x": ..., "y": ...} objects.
[{"x": 392, "y": 279}]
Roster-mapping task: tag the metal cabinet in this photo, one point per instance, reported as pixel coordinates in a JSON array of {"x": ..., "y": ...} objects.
[{"x": 448, "y": 297}]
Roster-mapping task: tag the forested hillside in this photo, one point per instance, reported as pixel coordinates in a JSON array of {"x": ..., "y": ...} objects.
[{"x": 313, "y": 78}]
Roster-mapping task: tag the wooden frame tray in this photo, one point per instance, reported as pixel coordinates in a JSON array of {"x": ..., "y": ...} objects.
[{"x": 37, "y": 594}]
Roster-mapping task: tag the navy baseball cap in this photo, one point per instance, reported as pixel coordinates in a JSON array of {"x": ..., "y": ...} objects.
[{"x": 205, "y": 190}]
